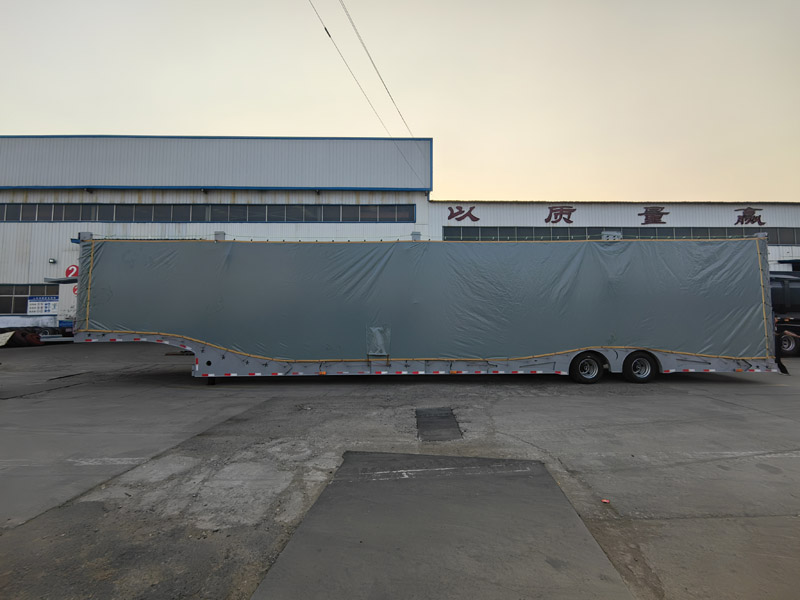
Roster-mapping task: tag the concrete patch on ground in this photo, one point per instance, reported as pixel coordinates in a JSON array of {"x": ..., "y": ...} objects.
[{"x": 238, "y": 494}]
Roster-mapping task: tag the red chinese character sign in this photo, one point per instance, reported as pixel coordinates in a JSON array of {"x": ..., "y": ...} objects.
[
  {"x": 653, "y": 215},
  {"x": 459, "y": 214},
  {"x": 749, "y": 217},
  {"x": 560, "y": 213}
]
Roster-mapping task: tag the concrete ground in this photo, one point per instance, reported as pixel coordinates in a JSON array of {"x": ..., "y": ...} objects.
[{"x": 121, "y": 476}]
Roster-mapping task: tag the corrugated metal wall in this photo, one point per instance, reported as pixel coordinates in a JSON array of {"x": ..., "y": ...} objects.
[
  {"x": 101, "y": 196},
  {"x": 195, "y": 162},
  {"x": 28, "y": 246}
]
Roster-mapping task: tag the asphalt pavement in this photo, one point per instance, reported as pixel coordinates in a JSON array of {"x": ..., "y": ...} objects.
[{"x": 121, "y": 476}]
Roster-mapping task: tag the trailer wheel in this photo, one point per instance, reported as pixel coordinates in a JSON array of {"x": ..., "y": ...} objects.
[
  {"x": 640, "y": 367},
  {"x": 587, "y": 367},
  {"x": 788, "y": 345}
]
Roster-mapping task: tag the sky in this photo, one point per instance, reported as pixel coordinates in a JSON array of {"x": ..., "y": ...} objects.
[{"x": 546, "y": 100}]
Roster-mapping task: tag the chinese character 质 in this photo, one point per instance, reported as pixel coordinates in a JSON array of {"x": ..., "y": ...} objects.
[{"x": 559, "y": 213}]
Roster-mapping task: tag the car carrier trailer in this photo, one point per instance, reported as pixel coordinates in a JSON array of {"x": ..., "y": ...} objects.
[{"x": 578, "y": 308}]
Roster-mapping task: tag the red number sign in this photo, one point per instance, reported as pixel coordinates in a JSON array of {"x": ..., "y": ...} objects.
[
  {"x": 72, "y": 271},
  {"x": 75, "y": 289}
]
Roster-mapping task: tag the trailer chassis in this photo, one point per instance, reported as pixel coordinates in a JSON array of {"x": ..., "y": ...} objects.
[{"x": 586, "y": 365}]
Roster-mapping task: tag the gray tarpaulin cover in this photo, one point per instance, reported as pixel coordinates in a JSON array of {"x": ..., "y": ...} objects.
[{"x": 308, "y": 301}]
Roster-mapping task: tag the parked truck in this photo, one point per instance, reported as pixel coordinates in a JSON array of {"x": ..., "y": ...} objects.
[
  {"x": 786, "y": 306},
  {"x": 578, "y": 308}
]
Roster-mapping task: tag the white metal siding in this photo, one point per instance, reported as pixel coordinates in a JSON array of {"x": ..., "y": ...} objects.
[
  {"x": 277, "y": 163},
  {"x": 534, "y": 214}
]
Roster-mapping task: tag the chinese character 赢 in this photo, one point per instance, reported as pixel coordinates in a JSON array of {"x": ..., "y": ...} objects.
[
  {"x": 559, "y": 213},
  {"x": 749, "y": 217},
  {"x": 653, "y": 215},
  {"x": 459, "y": 214}
]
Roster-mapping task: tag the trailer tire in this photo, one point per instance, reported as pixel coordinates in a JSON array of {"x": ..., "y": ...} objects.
[
  {"x": 640, "y": 367},
  {"x": 587, "y": 367},
  {"x": 788, "y": 345}
]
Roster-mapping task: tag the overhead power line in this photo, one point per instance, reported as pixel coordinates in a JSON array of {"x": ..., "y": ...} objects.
[
  {"x": 348, "y": 67},
  {"x": 363, "y": 45}
]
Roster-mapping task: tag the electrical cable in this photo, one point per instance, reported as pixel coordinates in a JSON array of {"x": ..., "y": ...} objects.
[
  {"x": 363, "y": 45},
  {"x": 348, "y": 68},
  {"x": 372, "y": 106}
]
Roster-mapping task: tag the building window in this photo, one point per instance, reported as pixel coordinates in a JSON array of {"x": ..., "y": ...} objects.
[
  {"x": 14, "y": 297},
  {"x": 216, "y": 213},
  {"x": 776, "y": 235}
]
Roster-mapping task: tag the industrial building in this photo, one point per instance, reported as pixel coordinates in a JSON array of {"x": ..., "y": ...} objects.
[{"x": 300, "y": 189}]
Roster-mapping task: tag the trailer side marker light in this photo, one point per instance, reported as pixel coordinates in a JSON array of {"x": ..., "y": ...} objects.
[
  {"x": 738, "y": 370},
  {"x": 322, "y": 373},
  {"x": 514, "y": 372}
]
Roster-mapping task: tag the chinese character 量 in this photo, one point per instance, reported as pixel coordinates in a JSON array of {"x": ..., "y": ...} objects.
[{"x": 653, "y": 215}]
